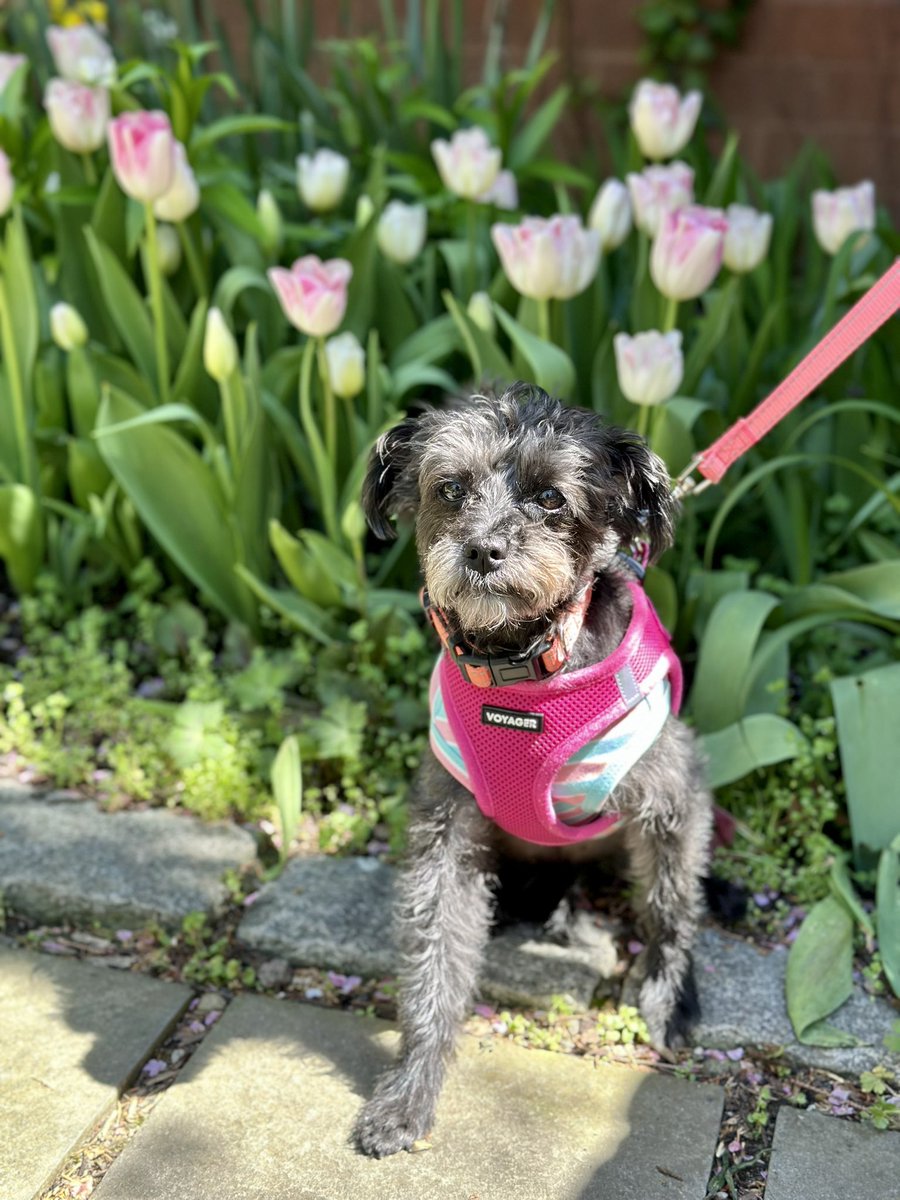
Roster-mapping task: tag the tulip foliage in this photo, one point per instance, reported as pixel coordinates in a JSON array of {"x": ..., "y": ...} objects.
[{"x": 209, "y": 311}]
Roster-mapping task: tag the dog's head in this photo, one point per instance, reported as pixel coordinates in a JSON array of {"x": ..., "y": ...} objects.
[{"x": 518, "y": 501}]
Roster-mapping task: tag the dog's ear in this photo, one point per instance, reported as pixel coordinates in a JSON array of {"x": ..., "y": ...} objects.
[
  {"x": 643, "y": 508},
  {"x": 382, "y": 493}
]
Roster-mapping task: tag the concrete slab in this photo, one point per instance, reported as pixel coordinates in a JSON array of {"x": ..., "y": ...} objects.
[
  {"x": 63, "y": 859},
  {"x": 266, "y": 1105},
  {"x": 742, "y": 1003},
  {"x": 70, "y": 1038},
  {"x": 825, "y": 1158}
]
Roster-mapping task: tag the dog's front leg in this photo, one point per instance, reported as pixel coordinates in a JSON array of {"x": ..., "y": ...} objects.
[{"x": 442, "y": 918}]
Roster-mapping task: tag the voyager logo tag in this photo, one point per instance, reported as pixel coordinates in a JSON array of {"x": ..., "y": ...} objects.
[{"x": 511, "y": 718}]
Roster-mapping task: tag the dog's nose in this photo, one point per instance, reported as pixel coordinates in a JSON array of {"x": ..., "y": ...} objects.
[{"x": 486, "y": 555}]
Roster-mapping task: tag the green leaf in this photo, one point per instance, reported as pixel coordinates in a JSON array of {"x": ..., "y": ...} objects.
[
  {"x": 756, "y": 741},
  {"x": 297, "y": 611},
  {"x": 819, "y": 975},
  {"x": 489, "y": 363},
  {"x": 287, "y": 787},
  {"x": 302, "y": 568},
  {"x": 842, "y": 886},
  {"x": 877, "y": 585},
  {"x": 88, "y": 473},
  {"x": 195, "y": 735},
  {"x": 726, "y": 654},
  {"x": 125, "y": 306},
  {"x": 887, "y": 911},
  {"x": 21, "y": 534},
  {"x": 178, "y": 497},
  {"x": 528, "y": 142},
  {"x": 241, "y": 124},
  {"x": 24, "y": 318},
  {"x": 551, "y": 368}
]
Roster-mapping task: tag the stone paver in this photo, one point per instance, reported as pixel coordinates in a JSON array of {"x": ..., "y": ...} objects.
[
  {"x": 265, "y": 1107},
  {"x": 323, "y": 912},
  {"x": 66, "y": 860},
  {"x": 742, "y": 1004},
  {"x": 824, "y": 1158},
  {"x": 71, "y": 1035}
]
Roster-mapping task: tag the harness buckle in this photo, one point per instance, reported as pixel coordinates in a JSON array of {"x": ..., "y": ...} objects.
[{"x": 505, "y": 669}]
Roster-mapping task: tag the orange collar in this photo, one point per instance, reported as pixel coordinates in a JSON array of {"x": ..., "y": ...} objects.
[{"x": 499, "y": 670}]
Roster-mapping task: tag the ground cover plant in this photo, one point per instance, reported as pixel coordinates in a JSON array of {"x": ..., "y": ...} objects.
[{"x": 214, "y": 297}]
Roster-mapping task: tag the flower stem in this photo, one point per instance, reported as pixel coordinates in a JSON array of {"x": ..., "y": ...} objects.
[
  {"x": 643, "y": 420},
  {"x": 472, "y": 238},
  {"x": 330, "y": 421},
  {"x": 670, "y": 318},
  {"x": 90, "y": 171},
  {"x": 543, "y": 314},
  {"x": 156, "y": 304},
  {"x": 326, "y": 480},
  {"x": 192, "y": 257}
]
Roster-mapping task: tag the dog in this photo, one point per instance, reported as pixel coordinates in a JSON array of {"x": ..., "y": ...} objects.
[{"x": 527, "y": 513}]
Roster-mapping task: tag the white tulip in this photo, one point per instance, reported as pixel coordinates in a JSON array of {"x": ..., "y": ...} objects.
[
  {"x": 346, "y": 365},
  {"x": 401, "y": 231},
  {"x": 610, "y": 214},
  {"x": 322, "y": 179}
]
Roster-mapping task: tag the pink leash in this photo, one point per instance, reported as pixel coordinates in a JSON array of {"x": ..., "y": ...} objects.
[{"x": 870, "y": 312}]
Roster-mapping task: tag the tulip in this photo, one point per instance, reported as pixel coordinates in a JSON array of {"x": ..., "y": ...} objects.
[
  {"x": 183, "y": 197},
  {"x": 220, "y": 355},
  {"x": 9, "y": 64},
  {"x": 610, "y": 214},
  {"x": 687, "y": 251},
  {"x": 67, "y": 328},
  {"x": 481, "y": 312},
  {"x": 346, "y": 365},
  {"x": 659, "y": 190},
  {"x": 401, "y": 231},
  {"x": 365, "y": 210},
  {"x": 269, "y": 215},
  {"x": 322, "y": 179},
  {"x": 839, "y": 213},
  {"x": 81, "y": 55},
  {"x": 747, "y": 239},
  {"x": 142, "y": 153},
  {"x": 313, "y": 293},
  {"x": 468, "y": 164},
  {"x": 78, "y": 114},
  {"x": 548, "y": 259},
  {"x": 168, "y": 249},
  {"x": 503, "y": 192},
  {"x": 650, "y": 366},
  {"x": 7, "y": 185},
  {"x": 661, "y": 119}
]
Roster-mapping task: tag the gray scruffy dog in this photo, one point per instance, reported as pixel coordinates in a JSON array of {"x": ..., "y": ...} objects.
[{"x": 519, "y": 503}]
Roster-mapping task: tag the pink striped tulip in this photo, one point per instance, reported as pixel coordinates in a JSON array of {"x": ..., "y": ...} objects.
[
  {"x": 553, "y": 258},
  {"x": 183, "y": 197},
  {"x": 81, "y": 55},
  {"x": 7, "y": 185},
  {"x": 662, "y": 120},
  {"x": 142, "y": 152},
  {"x": 687, "y": 251},
  {"x": 468, "y": 164},
  {"x": 503, "y": 192},
  {"x": 78, "y": 114},
  {"x": 313, "y": 293},
  {"x": 9, "y": 64},
  {"x": 839, "y": 213},
  {"x": 659, "y": 190},
  {"x": 650, "y": 366}
]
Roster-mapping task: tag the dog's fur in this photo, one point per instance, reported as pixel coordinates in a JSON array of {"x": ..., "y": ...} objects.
[{"x": 505, "y": 452}]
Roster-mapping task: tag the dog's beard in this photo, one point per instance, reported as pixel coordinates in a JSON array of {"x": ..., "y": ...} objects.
[{"x": 531, "y": 584}]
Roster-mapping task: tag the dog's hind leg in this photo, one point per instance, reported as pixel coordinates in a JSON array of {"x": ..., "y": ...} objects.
[{"x": 442, "y": 918}]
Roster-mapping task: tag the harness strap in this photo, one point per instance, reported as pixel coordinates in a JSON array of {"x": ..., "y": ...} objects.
[{"x": 870, "y": 312}]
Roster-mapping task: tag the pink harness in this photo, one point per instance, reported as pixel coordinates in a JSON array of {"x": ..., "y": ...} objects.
[{"x": 515, "y": 738}]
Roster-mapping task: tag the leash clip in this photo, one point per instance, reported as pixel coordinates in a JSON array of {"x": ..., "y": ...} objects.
[{"x": 685, "y": 485}]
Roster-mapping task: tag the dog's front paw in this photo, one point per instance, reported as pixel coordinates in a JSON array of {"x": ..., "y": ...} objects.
[
  {"x": 670, "y": 1009},
  {"x": 391, "y": 1121}
]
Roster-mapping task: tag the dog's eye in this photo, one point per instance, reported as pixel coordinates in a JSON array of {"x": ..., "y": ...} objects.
[
  {"x": 550, "y": 499},
  {"x": 452, "y": 491}
]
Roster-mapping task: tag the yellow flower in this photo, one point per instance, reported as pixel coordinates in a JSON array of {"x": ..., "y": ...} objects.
[{"x": 78, "y": 12}]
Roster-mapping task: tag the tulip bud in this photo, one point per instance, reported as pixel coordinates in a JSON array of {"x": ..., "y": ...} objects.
[
  {"x": 659, "y": 190},
  {"x": 468, "y": 164},
  {"x": 9, "y": 64},
  {"x": 610, "y": 214},
  {"x": 78, "y": 115},
  {"x": 81, "y": 55},
  {"x": 481, "y": 312},
  {"x": 554, "y": 258},
  {"x": 67, "y": 328},
  {"x": 401, "y": 231},
  {"x": 220, "y": 356},
  {"x": 839, "y": 213},
  {"x": 142, "y": 153},
  {"x": 183, "y": 197},
  {"x": 7, "y": 185},
  {"x": 650, "y": 366},
  {"x": 269, "y": 215},
  {"x": 503, "y": 192},
  {"x": 346, "y": 365},
  {"x": 662, "y": 121},
  {"x": 687, "y": 251},
  {"x": 313, "y": 293},
  {"x": 365, "y": 210},
  {"x": 322, "y": 179},
  {"x": 747, "y": 239},
  {"x": 168, "y": 246}
]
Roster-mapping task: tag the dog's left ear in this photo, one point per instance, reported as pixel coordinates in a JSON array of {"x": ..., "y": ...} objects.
[
  {"x": 390, "y": 457},
  {"x": 643, "y": 508}
]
